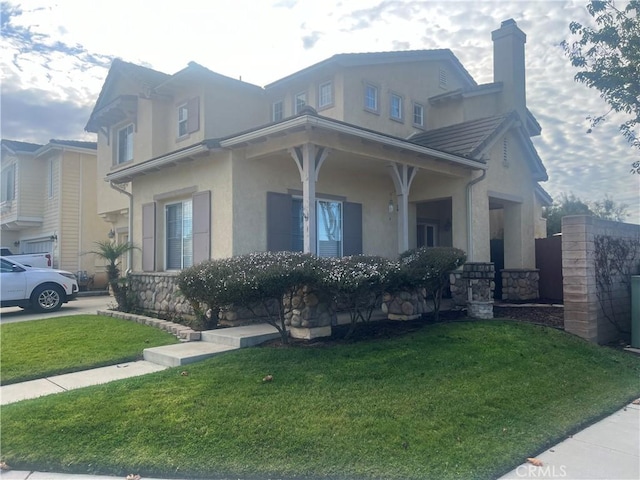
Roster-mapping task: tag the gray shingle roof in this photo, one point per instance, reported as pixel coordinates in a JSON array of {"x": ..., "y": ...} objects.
[
  {"x": 74, "y": 143},
  {"x": 466, "y": 139},
  {"x": 18, "y": 146}
]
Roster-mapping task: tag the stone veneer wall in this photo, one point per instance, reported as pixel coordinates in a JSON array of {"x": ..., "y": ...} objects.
[
  {"x": 583, "y": 313},
  {"x": 159, "y": 292},
  {"x": 520, "y": 284},
  {"x": 405, "y": 305},
  {"x": 479, "y": 279}
]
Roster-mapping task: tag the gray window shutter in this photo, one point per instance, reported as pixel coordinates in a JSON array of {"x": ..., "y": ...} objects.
[
  {"x": 193, "y": 118},
  {"x": 352, "y": 227},
  {"x": 278, "y": 222},
  {"x": 149, "y": 237},
  {"x": 201, "y": 226}
]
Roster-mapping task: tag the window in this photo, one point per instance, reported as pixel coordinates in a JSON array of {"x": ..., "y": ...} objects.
[
  {"x": 427, "y": 235},
  {"x": 189, "y": 117},
  {"x": 50, "y": 178},
  {"x": 301, "y": 101},
  {"x": 8, "y": 187},
  {"x": 329, "y": 227},
  {"x": 371, "y": 98},
  {"x": 325, "y": 95},
  {"x": 396, "y": 107},
  {"x": 277, "y": 111},
  {"x": 179, "y": 235},
  {"x": 418, "y": 115},
  {"x": 183, "y": 120},
  {"x": 125, "y": 144}
]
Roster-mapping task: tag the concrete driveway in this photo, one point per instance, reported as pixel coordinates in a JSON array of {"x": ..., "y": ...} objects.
[{"x": 81, "y": 305}]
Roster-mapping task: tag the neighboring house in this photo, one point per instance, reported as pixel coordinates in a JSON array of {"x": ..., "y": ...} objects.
[
  {"x": 368, "y": 153},
  {"x": 48, "y": 201}
]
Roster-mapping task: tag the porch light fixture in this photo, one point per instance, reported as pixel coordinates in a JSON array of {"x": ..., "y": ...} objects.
[
  {"x": 111, "y": 235},
  {"x": 53, "y": 237},
  {"x": 16, "y": 243}
]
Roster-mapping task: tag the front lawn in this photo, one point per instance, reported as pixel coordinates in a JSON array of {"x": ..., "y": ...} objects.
[
  {"x": 41, "y": 348},
  {"x": 456, "y": 400}
]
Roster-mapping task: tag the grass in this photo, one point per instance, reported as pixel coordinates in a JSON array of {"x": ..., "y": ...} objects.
[
  {"x": 41, "y": 348},
  {"x": 456, "y": 400}
]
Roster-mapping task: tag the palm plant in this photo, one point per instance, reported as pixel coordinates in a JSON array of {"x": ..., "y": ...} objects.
[{"x": 111, "y": 253}]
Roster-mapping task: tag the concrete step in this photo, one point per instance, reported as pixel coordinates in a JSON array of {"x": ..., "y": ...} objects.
[
  {"x": 241, "y": 337},
  {"x": 184, "y": 353}
]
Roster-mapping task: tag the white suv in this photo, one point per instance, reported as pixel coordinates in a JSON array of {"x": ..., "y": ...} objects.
[{"x": 42, "y": 289}]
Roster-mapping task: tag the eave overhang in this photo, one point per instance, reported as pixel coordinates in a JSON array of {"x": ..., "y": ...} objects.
[
  {"x": 295, "y": 124},
  {"x": 120, "y": 109}
]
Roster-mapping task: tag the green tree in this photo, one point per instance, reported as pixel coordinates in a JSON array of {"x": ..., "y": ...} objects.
[
  {"x": 607, "y": 209},
  {"x": 608, "y": 56},
  {"x": 111, "y": 252}
]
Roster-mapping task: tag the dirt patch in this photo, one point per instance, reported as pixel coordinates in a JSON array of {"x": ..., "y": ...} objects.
[{"x": 544, "y": 315}]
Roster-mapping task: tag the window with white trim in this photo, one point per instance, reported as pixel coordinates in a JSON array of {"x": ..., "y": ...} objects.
[
  {"x": 325, "y": 95},
  {"x": 371, "y": 97},
  {"x": 329, "y": 229},
  {"x": 395, "y": 107},
  {"x": 8, "y": 187},
  {"x": 183, "y": 120},
  {"x": 277, "y": 111},
  {"x": 125, "y": 144},
  {"x": 50, "y": 178},
  {"x": 418, "y": 115},
  {"x": 179, "y": 235},
  {"x": 301, "y": 101}
]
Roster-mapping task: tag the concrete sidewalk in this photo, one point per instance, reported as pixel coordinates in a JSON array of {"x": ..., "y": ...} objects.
[{"x": 607, "y": 450}]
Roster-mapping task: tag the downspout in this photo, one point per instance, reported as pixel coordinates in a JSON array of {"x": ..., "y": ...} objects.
[
  {"x": 469, "y": 216},
  {"x": 130, "y": 227}
]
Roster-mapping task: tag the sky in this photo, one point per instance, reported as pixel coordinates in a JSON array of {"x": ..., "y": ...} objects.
[{"x": 55, "y": 55}]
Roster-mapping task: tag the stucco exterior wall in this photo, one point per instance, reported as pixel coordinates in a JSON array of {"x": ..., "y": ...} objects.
[{"x": 589, "y": 311}]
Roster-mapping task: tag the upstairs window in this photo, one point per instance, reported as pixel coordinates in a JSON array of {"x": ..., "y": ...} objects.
[
  {"x": 371, "y": 98},
  {"x": 418, "y": 115},
  {"x": 396, "y": 107},
  {"x": 8, "y": 187},
  {"x": 179, "y": 236},
  {"x": 301, "y": 101},
  {"x": 189, "y": 117},
  {"x": 325, "y": 95},
  {"x": 277, "y": 111},
  {"x": 183, "y": 119},
  {"x": 125, "y": 144}
]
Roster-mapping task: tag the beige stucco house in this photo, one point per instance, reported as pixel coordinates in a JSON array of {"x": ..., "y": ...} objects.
[
  {"x": 368, "y": 153},
  {"x": 48, "y": 202}
]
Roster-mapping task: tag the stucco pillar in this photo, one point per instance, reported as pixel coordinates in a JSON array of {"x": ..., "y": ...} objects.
[
  {"x": 402, "y": 176},
  {"x": 309, "y": 159}
]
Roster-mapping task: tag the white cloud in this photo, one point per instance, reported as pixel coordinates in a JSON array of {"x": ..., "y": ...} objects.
[{"x": 263, "y": 41}]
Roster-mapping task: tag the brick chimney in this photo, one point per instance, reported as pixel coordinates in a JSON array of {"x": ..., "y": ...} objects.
[{"x": 508, "y": 66}]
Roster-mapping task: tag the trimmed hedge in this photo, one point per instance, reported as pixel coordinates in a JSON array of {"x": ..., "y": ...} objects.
[{"x": 356, "y": 282}]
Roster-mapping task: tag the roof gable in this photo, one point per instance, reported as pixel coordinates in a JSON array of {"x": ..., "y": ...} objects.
[
  {"x": 473, "y": 138},
  {"x": 381, "y": 58}
]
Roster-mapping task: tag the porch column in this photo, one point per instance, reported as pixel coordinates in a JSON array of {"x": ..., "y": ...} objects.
[
  {"x": 309, "y": 159},
  {"x": 402, "y": 176}
]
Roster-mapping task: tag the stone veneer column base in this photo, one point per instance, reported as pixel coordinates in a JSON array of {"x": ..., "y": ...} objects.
[
  {"x": 520, "y": 284},
  {"x": 310, "y": 333},
  {"x": 482, "y": 310}
]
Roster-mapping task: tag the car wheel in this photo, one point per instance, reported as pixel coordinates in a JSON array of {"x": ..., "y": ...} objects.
[{"x": 47, "y": 298}]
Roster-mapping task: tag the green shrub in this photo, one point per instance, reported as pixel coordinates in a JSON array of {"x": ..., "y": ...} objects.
[
  {"x": 357, "y": 283},
  {"x": 428, "y": 268},
  {"x": 255, "y": 280}
]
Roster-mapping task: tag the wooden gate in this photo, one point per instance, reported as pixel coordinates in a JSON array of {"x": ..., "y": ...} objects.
[{"x": 549, "y": 262}]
